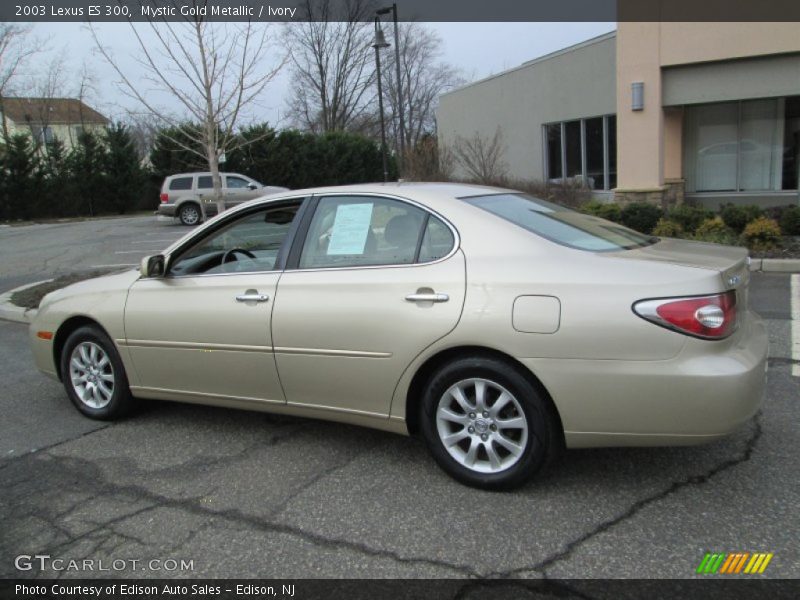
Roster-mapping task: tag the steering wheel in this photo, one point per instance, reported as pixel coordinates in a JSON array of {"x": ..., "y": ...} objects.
[{"x": 230, "y": 254}]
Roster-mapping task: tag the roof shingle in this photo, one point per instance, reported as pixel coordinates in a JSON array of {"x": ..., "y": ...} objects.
[{"x": 51, "y": 110}]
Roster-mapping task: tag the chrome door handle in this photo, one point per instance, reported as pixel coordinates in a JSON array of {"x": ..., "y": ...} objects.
[
  {"x": 432, "y": 297},
  {"x": 252, "y": 298}
]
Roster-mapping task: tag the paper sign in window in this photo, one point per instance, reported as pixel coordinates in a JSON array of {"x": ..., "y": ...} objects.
[{"x": 350, "y": 229}]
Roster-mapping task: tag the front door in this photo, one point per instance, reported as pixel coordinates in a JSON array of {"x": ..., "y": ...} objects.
[
  {"x": 204, "y": 329},
  {"x": 375, "y": 282},
  {"x": 238, "y": 189}
]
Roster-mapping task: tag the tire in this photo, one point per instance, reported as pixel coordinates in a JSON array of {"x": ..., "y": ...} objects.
[
  {"x": 463, "y": 432},
  {"x": 93, "y": 375},
  {"x": 189, "y": 214}
]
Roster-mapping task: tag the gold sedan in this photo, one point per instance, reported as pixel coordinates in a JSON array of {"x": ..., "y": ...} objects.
[{"x": 498, "y": 326}]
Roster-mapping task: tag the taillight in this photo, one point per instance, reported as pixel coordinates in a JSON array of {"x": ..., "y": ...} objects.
[
  {"x": 164, "y": 197},
  {"x": 706, "y": 317}
]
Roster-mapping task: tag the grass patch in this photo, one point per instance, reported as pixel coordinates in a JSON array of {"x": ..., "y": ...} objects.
[{"x": 31, "y": 297}]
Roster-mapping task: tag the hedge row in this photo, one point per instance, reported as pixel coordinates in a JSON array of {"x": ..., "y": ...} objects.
[
  {"x": 289, "y": 158},
  {"x": 751, "y": 226},
  {"x": 104, "y": 175}
]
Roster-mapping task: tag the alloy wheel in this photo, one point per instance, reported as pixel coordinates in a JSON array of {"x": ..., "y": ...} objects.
[
  {"x": 189, "y": 215},
  {"x": 482, "y": 425},
  {"x": 92, "y": 375}
]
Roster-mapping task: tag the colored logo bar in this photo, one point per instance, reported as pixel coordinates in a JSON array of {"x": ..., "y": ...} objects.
[{"x": 733, "y": 563}]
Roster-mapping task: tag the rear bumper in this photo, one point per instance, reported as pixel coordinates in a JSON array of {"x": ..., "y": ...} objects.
[
  {"x": 166, "y": 210},
  {"x": 707, "y": 391}
]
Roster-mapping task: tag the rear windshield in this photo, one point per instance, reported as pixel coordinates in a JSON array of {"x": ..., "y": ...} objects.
[{"x": 561, "y": 225}]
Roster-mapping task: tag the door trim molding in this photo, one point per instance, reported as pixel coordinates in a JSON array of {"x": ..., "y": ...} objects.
[{"x": 193, "y": 346}]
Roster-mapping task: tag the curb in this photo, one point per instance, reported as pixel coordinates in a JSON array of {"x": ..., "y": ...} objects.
[
  {"x": 780, "y": 265},
  {"x": 775, "y": 265},
  {"x": 12, "y": 312}
]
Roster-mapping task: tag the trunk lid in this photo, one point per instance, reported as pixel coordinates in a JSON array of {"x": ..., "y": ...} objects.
[{"x": 731, "y": 262}]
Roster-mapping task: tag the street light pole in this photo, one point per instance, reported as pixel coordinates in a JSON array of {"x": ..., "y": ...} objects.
[
  {"x": 400, "y": 106},
  {"x": 380, "y": 42}
]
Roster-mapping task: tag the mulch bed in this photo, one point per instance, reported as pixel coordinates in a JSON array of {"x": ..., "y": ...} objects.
[{"x": 790, "y": 248}]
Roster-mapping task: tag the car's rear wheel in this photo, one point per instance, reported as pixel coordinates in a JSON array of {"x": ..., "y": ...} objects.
[
  {"x": 486, "y": 424},
  {"x": 189, "y": 214},
  {"x": 93, "y": 375}
]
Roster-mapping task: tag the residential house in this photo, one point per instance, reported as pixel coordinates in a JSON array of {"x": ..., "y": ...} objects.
[{"x": 47, "y": 119}]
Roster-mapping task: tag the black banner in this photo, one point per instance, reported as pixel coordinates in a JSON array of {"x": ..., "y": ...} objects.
[
  {"x": 408, "y": 10},
  {"x": 731, "y": 588}
]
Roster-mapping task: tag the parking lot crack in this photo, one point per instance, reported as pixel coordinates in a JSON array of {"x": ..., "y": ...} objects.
[
  {"x": 542, "y": 566},
  {"x": 101, "y": 532}
]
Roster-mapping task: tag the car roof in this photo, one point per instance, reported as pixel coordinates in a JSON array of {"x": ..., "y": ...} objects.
[
  {"x": 204, "y": 173},
  {"x": 442, "y": 189}
]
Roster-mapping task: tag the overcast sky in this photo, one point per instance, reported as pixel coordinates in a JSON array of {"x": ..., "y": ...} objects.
[{"x": 478, "y": 49}]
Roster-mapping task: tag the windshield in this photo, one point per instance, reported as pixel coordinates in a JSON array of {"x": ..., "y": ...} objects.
[{"x": 561, "y": 225}]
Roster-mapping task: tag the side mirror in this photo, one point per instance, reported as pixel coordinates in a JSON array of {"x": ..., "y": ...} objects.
[
  {"x": 252, "y": 186},
  {"x": 153, "y": 266}
]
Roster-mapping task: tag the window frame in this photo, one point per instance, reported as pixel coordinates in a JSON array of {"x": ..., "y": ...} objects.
[
  {"x": 689, "y": 158},
  {"x": 280, "y": 260},
  {"x": 606, "y": 180},
  {"x": 247, "y": 182},
  {"x": 293, "y": 260},
  {"x": 192, "y": 185}
]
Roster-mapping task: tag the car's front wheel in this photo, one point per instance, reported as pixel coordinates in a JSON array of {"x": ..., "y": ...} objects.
[
  {"x": 486, "y": 424},
  {"x": 93, "y": 375}
]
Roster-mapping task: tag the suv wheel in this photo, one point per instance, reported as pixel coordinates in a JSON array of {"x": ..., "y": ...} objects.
[{"x": 189, "y": 214}]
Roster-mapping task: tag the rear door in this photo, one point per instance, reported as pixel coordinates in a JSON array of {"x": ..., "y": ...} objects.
[
  {"x": 205, "y": 193},
  {"x": 371, "y": 282}
]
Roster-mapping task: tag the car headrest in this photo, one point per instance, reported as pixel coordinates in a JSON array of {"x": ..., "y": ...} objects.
[{"x": 401, "y": 231}]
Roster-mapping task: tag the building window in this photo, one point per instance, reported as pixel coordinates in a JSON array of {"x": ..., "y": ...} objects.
[
  {"x": 790, "y": 179},
  {"x": 744, "y": 146},
  {"x": 43, "y": 135},
  {"x": 553, "y": 137},
  {"x": 595, "y": 169},
  {"x": 572, "y": 148},
  {"x": 584, "y": 149},
  {"x": 611, "y": 144}
]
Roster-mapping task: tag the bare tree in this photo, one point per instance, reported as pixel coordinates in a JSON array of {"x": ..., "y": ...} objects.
[
  {"x": 16, "y": 47},
  {"x": 214, "y": 71},
  {"x": 427, "y": 160},
  {"x": 481, "y": 157},
  {"x": 332, "y": 64},
  {"x": 424, "y": 78},
  {"x": 144, "y": 131}
]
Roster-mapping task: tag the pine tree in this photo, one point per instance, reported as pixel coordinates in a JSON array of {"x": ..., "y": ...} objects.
[
  {"x": 86, "y": 165},
  {"x": 19, "y": 184},
  {"x": 124, "y": 174}
]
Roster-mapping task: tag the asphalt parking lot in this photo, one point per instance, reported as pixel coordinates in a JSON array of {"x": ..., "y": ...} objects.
[{"x": 252, "y": 495}]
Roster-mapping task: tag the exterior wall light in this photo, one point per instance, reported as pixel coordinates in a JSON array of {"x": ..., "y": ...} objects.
[{"x": 637, "y": 95}]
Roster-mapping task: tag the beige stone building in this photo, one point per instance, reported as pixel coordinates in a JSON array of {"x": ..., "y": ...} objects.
[
  {"x": 653, "y": 111},
  {"x": 47, "y": 119}
]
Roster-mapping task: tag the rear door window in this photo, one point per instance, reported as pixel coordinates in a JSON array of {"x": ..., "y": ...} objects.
[
  {"x": 205, "y": 182},
  {"x": 354, "y": 231}
]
